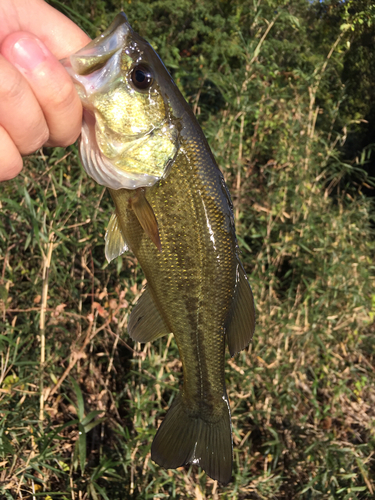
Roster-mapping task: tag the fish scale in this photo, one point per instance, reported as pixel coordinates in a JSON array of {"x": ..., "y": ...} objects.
[
  {"x": 141, "y": 140},
  {"x": 196, "y": 316}
]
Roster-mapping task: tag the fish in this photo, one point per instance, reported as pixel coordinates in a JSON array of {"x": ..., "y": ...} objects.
[{"x": 173, "y": 210}]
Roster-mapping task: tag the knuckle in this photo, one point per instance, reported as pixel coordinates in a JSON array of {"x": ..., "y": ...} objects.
[
  {"x": 63, "y": 112},
  {"x": 64, "y": 142},
  {"x": 70, "y": 137},
  {"x": 10, "y": 159},
  {"x": 62, "y": 95},
  {"x": 12, "y": 86},
  {"x": 35, "y": 142}
]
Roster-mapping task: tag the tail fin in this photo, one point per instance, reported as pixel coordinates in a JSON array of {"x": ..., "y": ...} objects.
[{"x": 182, "y": 439}]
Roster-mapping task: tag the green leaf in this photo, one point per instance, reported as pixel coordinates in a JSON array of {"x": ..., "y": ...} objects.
[
  {"x": 91, "y": 416},
  {"x": 82, "y": 447},
  {"x": 101, "y": 491},
  {"x": 88, "y": 427},
  {"x": 3, "y": 293},
  {"x": 80, "y": 400},
  {"x": 7, "y": 339},
  {"x": 6, "y": 446}
]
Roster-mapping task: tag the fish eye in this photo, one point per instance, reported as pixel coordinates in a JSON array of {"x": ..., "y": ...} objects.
[{"x": 142, "y": 77}]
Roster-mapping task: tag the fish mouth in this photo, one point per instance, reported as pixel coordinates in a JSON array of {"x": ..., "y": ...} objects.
[
  {"x": 116, "y": 160},
  {"x": 99, "y": 58},
  {"x": 94, "y": 55}
]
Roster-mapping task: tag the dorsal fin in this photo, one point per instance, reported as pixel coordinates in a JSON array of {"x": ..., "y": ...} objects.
[
  {"x": 146, "y": 323},
  {"x": 240, "y": 323},
  {"x": 115, "y": 243}
]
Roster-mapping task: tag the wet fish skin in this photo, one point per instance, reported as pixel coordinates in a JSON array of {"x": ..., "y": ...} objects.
[
  {"x": 181, "y": 230},
  {"x": 129, "y": 137}
]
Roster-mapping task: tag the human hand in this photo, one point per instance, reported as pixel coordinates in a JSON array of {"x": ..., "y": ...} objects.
[{"x": 38, "y": 103}]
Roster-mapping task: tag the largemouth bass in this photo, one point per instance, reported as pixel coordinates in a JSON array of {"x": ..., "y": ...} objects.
[{"x": 141, "y": 140}]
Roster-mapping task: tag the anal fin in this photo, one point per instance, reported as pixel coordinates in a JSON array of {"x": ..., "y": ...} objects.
[
  {"x": 240, "y": 323},
  {"x": 146, "y": 323},
  {"x": 115, "y": 243}
]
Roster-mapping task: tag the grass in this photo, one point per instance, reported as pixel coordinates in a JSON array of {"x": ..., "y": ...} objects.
[{"x": 80, "y": 402}]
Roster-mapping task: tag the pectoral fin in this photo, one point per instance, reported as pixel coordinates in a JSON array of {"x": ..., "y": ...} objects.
[
  {"x": 115, "y": 243},
  {"x": 240, "y": 324},
  {"x": 146, "y": 323},
  {"x": 146, "y": 216}
]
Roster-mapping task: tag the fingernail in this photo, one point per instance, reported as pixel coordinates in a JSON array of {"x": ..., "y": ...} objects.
[{"x": 28, "y": 53}]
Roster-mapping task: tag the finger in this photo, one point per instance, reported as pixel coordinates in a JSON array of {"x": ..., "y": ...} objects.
[
  {"x": 10, "y": 160},
  {"x": 20, "y": 113},
  {"x": 61, "y": 35},
  {"x": 50, "y": 83}
]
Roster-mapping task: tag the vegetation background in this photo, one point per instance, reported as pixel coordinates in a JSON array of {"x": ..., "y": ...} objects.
[{"x": 285, "y": 94}]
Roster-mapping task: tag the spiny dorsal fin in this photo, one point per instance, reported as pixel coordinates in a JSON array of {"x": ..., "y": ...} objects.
[
  {"x": 240, "y": 323},
  {"x": 146, "y": 216},
  {"x": 146, "y": 323},
  {"x": 115, "y": 243}
]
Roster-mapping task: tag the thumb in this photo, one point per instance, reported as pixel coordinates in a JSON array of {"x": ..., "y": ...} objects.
[{"x": 50, "y": 83}]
